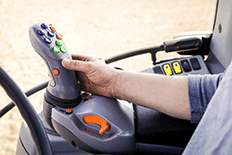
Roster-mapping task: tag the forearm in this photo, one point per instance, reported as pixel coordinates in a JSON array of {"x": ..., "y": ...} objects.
[{"x": 168, "y": 94}]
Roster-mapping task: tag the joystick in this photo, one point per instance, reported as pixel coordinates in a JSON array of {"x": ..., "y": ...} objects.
[
  {"x": 63, "y": 88},
  {"x": 92, "y": 123}
]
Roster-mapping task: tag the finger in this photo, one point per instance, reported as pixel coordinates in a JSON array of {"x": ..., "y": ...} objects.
[
  {"x": 83, "y": 57},
  {"x": 75, "y": 65}
]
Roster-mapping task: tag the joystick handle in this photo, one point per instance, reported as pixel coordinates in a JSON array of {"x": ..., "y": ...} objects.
[{"x": 49, "y": 44}]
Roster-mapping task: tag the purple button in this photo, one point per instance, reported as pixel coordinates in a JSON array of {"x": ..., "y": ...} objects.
[
  {"x": 47, "y": 40},
  {"x": 40, "y": 32},
  {"x": 51, "y": 34},
  {"x": 44, "y": 26}
]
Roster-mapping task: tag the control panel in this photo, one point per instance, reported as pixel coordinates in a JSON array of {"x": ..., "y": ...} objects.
[
  {"x": 182, "y": 66},
  {"x": 92, "y": 123}
]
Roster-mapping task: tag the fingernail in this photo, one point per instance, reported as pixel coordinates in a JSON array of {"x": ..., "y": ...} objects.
[{"x": 65, "y": 61}]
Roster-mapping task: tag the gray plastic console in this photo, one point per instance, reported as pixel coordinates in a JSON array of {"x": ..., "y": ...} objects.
[
  {"x": 182, "y": 66},
  {"x": 119, "y": 138}
]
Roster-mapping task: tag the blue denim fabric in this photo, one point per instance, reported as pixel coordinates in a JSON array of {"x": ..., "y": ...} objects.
[{"x": 213, "y": 136}]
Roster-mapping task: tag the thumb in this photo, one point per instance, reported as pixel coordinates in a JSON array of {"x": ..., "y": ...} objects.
[{"x": 73, "y": 64}]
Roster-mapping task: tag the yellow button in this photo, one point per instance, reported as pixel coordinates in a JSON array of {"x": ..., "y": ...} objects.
[
  {"x": 167, "y": 69},
  {"x": 177, "y": 67}
]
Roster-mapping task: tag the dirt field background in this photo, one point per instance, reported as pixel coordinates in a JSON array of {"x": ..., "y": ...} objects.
[{"x": 100, "y": 28}]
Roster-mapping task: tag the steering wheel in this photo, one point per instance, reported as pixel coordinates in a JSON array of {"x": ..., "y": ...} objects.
[{"x": 28, "y": 113}]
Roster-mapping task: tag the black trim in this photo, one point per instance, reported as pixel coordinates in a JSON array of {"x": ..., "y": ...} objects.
[
  {"x": 28, "y": 113},
  {"x": 143, "y": 148},
  {"x": 30, "y": 92},
  {"x": 49, "y": 98}
]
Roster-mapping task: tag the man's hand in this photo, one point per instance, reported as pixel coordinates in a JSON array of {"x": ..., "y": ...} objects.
[
  {"x": 168, "y": 94},
  {"x": 93, "y": 74}
]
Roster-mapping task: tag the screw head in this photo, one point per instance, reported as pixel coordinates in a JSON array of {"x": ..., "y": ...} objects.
[{"x": 220, "y": 28}]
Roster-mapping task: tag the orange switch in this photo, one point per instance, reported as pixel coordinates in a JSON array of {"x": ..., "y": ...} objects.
[
  {"x": 68, "y": 111},
  {"x": 53, "y": 29},
  {"x": 55, "y": 71},
  {"x": 99, "y": 121},
  {"x": 59, "y": 36},
  {"x": 89, "y": 98}
]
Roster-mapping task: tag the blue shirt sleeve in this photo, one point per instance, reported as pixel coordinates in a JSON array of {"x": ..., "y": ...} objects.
[{"x": 201, "y": 88}]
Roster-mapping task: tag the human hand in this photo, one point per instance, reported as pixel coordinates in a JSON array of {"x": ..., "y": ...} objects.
[{"x": 94, "y": 75}]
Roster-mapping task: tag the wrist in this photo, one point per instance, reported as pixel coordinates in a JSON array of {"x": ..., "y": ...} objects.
[{"x": 116, "y": 83}]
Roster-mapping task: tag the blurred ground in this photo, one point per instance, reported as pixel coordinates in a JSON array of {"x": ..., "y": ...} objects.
[{"x": 100, "y": 28}]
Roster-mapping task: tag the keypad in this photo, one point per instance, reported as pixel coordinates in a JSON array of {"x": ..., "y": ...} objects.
[
  {"x": 47, "y": 32},
  {"x": 180, "y": 66}
]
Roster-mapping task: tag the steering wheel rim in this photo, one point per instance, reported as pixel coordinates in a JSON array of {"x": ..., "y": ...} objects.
[{"x": 28, "y": 113}]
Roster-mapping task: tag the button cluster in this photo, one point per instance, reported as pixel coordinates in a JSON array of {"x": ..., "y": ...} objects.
[
  {"x": 48, "y": 33},
  {"x": 177, "y": 67}
]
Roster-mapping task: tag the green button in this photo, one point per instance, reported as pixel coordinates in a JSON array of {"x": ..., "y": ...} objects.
[
  {"x": 56, "y": 49},
  {"x": 59, "y": 43},
  {"x": 63, "y": 50}
]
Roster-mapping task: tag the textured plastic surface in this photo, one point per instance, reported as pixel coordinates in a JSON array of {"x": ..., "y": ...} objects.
[
  {"x": 59, "y": 145},
  {"x": 119, "y": 114},
  {"x": 63, "y": 83}
]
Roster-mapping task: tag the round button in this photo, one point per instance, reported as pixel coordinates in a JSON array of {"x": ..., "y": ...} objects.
[
  {"x": 51, "y": 34},
  {"x": 59, "y": 43},
  {"x": 68, "y": 111},
  {"x": 53, "y": 29},
  {"x": 63, "y": 50},
  {"x": 47, "y": 40},
  {"x": 56, "y": 50},
  {"x": 55, "y": 72},
  {"x": 59, "y": 36},
  {"x": 40, "y": 32},
  {"x": 44, "y": 26}
]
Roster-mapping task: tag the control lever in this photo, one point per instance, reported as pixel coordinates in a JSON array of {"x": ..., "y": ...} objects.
[
  {"x": 76, "y": 118},
  {"x": 49, "y": 44},
  {"x": 99, "y": 121}
]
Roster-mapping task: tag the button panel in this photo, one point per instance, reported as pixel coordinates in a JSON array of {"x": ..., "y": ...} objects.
[
  {"x": 48, "y": 32},
  {"x": 182, "y": 66}
]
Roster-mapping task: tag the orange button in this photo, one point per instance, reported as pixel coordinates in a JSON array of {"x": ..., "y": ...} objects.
[
  {"x": 53, "y": 29},
  {"x": 89, "y": 98},
  {"x": 99, "y": 121},
  {"x": 59, "y": 36},
  {"x": 68, "y": 111},
  {"x": 55, "y": 71}
]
